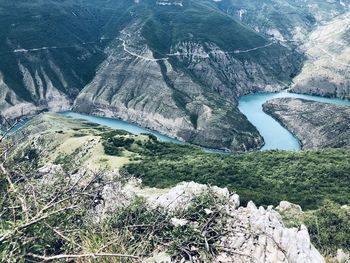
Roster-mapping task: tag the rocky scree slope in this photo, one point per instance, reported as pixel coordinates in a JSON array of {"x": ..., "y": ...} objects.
[{"x": 317, "y": 125}]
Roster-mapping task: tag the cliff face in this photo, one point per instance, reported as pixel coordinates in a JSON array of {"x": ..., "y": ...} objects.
[
  {"x": 326, "y": 70},
  {"x": 190, "y": 93},
  {"x": 317, "y": 125}
]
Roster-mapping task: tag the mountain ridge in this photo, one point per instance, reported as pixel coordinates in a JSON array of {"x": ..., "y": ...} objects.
[{"x": 178, "y": 67}]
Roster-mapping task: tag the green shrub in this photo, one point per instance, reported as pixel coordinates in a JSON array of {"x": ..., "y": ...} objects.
[
  {"x": 329, "y": 228},
  {"x": 138, "y": 222},
  {"x": 114, "y": 142},
  {"x": 152, "y": 137},
  {"x": 306, "y": 177}
]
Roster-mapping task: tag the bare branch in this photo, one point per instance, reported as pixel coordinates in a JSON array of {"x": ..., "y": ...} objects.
[{"x": 88, "y": 255}]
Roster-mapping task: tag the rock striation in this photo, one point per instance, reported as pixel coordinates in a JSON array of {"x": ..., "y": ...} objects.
[
  {"x": 326, "y": 70},
  {"x": 317, "y": 125}
]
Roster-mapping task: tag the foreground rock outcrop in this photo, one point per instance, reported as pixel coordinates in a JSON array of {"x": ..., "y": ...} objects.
[
  {"x": 249, "y": 234},
  {"x": 252, "y": 234},
  {"x": 317, "y": 125}
]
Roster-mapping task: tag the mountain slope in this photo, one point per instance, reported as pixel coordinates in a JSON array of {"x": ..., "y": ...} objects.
[
  {"x": 330, "y": 124},
  {"x": 174, "y": 66},
  {"x": 327, "y": 68},
  {"x": 177, "y": 68},
  {"x": 289, "y": 21},
  {"x": 185, "y": 80}
]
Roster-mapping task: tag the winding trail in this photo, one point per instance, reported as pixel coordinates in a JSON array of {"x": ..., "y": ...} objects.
[
  {"x": 178, "y": 54},
  {"x": 125, "y": 48},
  {"x": 38, "y": 49},
  {"x": 333, "y": 57}
]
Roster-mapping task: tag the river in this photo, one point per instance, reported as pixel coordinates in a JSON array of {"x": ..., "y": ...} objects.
[{"x": 274, "y": 134}]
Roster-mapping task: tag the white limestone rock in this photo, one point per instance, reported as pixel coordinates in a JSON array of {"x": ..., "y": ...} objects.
[
  {"x": 342, "y": 256},
  {"x": 181, "y": 195},
  {"x": 287, "y": 206},
  {"x": 253, "y": 234},
  {"x": 258, "y": 235}
]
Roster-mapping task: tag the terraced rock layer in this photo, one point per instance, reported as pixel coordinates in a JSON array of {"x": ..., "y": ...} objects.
[{"x": 317, "y": 125}]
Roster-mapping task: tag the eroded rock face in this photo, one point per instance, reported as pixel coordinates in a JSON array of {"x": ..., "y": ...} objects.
[
  {"x": 317, "y": 125},
  {"x": 258, "y": 235},
  {"x": 326, "y": 70},
  {"x": 133, "y": 85},
  {"x": 286, "y": 206}
]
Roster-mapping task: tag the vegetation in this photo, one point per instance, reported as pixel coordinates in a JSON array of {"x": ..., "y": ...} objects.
[
  {"x": 34, "y": 227},
  {"x": 60, "y": 223},
  {"x": 155, "y": 225},
  {"x": 329, "y": 228},
  {"x": 114, "y": 142},
  {"x": 306, "y": 177}
]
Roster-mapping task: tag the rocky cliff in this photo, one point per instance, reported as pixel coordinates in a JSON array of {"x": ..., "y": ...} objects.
[
  {"x": 326, "y": 70},
  {"x": 174, "y": 66},
  {"x": 317, "y": 125}
]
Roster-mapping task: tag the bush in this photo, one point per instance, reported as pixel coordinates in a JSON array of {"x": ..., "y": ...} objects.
[
  {"x": 329, "y": 228},
  {"x": 113, "y": 143},
  {"x": 306, "y": 177},
  {"x": 152, "y": 137},
  {"x": 138, "y": 223}
]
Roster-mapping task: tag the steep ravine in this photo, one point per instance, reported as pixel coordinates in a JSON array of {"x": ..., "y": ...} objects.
[
  {"x": 143, "y": 63},
  {"x": 190, "y": 93}
]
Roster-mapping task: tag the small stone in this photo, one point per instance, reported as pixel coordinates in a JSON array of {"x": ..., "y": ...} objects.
[
  {"x": 178, "y": 222},
  {"x": 208, "y": 211}
]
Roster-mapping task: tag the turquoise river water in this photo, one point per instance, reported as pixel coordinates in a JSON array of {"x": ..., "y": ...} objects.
[{"x": 274, "y": 134}]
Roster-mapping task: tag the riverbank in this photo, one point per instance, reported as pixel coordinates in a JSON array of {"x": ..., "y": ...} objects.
[
  {"x": 317, "y": 125},
  {"x": 275, "y": 135}
]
